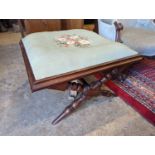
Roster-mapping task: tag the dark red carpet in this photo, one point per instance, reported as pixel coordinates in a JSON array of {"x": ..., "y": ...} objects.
[{"x": 138, "y": 89}]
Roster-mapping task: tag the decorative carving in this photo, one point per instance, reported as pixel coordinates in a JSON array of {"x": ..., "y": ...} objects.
[
  {"x": 118, "y": 27},
  {"x": 87, "y": 92}
]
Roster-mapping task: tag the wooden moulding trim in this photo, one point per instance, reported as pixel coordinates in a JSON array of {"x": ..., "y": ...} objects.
[
  {"x": 85, "y": 69},
  {"x": 67, "y": 78},
  {"x": 27, "y": 66},
  {"x": 119, "y": 28},
  {"x": 51, "y": 81}
]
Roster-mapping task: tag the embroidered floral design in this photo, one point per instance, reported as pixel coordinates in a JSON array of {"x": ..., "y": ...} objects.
[{"x": 72, "y": 40}]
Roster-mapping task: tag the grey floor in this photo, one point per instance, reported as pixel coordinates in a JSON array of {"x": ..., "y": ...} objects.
[{"x": 26, "y": 113}]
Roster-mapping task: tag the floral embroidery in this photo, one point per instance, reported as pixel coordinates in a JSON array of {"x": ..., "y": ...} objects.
[{"x": 72, "y": 40}]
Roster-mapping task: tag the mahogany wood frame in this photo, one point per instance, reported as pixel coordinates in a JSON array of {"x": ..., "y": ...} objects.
[
  {"x": 54, "y": 81},
  {"x": 118, "y": 27}
]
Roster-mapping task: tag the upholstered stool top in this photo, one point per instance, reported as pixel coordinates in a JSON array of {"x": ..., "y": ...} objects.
[{"x": 59, "y": 52}]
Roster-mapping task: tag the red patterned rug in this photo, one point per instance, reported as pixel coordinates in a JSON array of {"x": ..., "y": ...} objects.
[{"x": 138, "y": 89}]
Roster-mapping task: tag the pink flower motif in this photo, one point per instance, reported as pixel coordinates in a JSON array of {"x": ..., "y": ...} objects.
[
  {"x": 71, "y": 40},
  {"x": 74, "y": 37},
  {"x": 65, "y": 45},
  {"x": 61, "y": 39},
  {"x": 84, "y": 42}
]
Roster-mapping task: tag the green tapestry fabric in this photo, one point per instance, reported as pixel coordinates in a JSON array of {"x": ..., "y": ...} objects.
[{"x": 58, "y": 52}]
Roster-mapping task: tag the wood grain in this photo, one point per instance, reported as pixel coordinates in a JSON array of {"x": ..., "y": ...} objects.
[{"x": 119, "y": 28}]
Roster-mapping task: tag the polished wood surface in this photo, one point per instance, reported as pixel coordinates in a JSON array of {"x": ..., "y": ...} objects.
[
  {"x": 28, "y": 26},
  {"x": 90, "y": 27},
  {"x": 68, "y": 24},
  {"x": 39, "y": 25},
  {"x": 119, "y": 28},
  {"x": 89, "y": 90},
  {"x": 30, "y": 74},
  {"x": 61, "y": 86}
]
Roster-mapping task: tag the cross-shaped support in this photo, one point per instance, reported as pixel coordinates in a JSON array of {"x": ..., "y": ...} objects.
[{"x": 89, "y": 90}]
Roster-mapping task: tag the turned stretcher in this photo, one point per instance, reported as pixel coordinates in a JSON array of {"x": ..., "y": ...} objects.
[{"x": 54, "y": 59}]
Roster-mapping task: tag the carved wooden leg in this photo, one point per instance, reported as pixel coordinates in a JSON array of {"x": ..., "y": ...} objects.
[
  {"x": 86, "y": 93},
  {"x": 73, "y": 106},
  {"x": 108, "y": 93}
]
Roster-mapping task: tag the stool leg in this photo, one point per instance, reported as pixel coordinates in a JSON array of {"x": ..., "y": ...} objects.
[
  {"x": 86, "y": 93},
  {"x": 108, "y": 93},
  {"x": 69, "y": 109}
]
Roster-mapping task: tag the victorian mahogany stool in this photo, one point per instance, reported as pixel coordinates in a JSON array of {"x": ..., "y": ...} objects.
[{"x": 55, "y": 59}]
